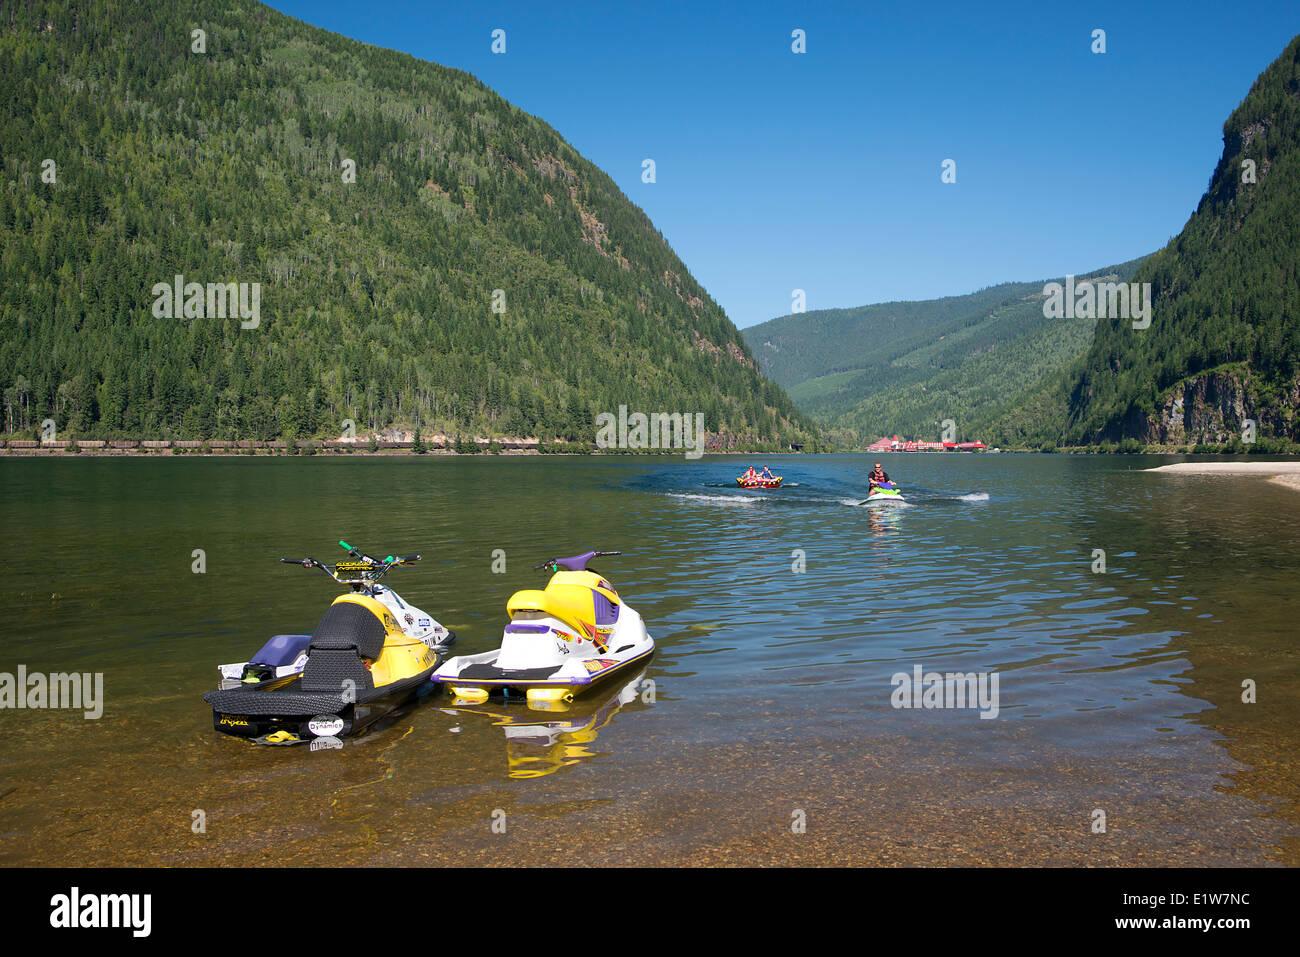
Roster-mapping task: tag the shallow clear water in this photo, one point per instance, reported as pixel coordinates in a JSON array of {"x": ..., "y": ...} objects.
[{"x": 780, "y": 617}]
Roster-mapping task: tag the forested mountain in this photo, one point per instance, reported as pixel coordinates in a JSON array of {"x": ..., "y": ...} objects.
[
  {"x": 904, "y": 367},
  {"x": 427, "y": 254},
  {"x": 1224, "y": 341}
]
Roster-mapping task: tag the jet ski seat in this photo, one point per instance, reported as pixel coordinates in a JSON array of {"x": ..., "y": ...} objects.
[
  {"x": 353, "y": 634},
  {"x": 329, "y": 670},
  {"x": 348, "y": 624},
  {"x": 347, "y": 633}
]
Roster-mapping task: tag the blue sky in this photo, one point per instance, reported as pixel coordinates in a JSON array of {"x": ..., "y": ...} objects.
[{"x": 821, "y": 171}]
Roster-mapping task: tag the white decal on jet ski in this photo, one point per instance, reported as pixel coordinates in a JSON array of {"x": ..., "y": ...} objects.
[{"x": 325, "y": 726}]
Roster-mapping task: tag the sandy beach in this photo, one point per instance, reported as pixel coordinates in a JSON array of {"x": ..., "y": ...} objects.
[{"x": 1279, "y": 473}]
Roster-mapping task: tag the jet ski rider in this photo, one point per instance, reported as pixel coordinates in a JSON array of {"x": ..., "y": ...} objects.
[{"x": 877, "y": 476}]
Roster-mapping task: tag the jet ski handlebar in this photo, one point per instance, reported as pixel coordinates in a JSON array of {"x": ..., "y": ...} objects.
[
  {"x": 575, "y": 564},
  {"x": 363, "y": 569},
  {"x": 386, "y": 560}
]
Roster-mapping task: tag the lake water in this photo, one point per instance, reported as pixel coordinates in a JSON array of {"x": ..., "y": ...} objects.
[{"x": 762, "y": 731}]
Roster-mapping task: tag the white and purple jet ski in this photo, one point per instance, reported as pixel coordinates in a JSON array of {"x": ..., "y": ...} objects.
[{"x": 561, "y": 641}]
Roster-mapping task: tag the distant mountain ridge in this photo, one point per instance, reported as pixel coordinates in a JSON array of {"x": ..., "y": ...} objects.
[{"x": 905, "y": 367}]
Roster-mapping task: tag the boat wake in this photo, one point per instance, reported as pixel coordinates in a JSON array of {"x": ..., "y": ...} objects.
[{"x": 719, "y": 499}]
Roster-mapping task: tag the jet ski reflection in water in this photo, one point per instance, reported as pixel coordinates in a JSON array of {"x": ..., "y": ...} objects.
[{"x": 537, "y": 745}]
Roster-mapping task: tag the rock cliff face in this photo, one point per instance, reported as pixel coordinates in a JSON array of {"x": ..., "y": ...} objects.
[{"x": 1215, "y": 407}]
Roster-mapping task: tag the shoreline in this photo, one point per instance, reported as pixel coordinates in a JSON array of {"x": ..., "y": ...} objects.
[
  {"x": 136, "y": 448},
  {"x": 439, "y": 444},
  {"x": 336, "y": 453}
]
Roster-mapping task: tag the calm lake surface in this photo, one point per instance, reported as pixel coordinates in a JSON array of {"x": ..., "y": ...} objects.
[{"x": 780, "y": 617}]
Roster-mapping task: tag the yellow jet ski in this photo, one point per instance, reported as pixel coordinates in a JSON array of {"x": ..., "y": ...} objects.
[{"x": 370, "y": 653}]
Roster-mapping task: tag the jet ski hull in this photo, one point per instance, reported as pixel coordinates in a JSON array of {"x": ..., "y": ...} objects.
[
  {"x": 290, "y": 715},
  {"x": 884, "y": 499},
  {"x": 883, "y": 494},
  {"x": 480, "y": 677}
]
